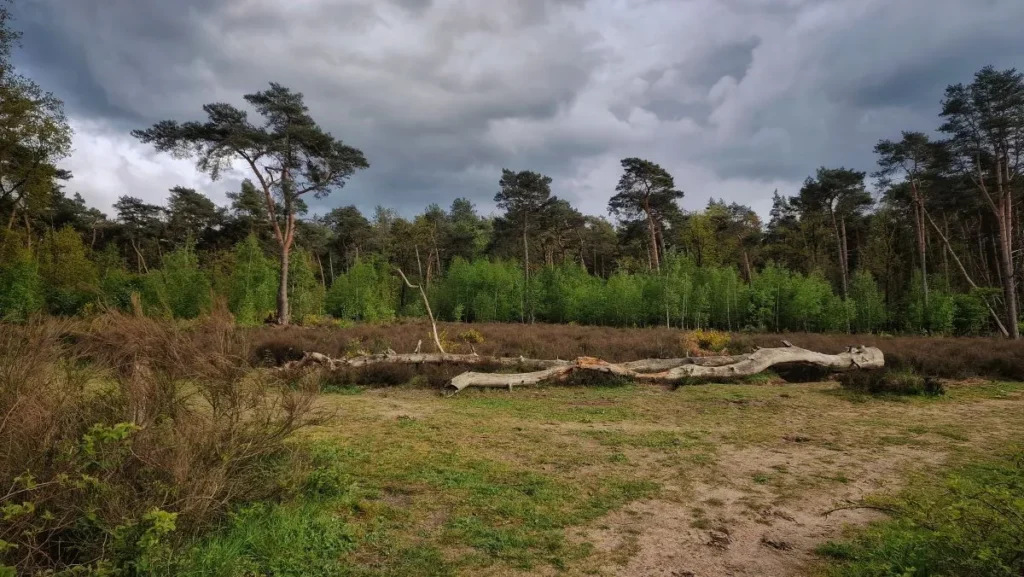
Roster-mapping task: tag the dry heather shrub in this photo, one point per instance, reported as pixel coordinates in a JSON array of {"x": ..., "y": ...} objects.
[
  {"x": 471, "y": 336},
  {"x": 129, "y": 430},
  {"x": 702, "y": 343}
]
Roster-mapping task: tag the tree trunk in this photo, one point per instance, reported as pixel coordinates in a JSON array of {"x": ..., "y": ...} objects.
[
  {"x": 945, "y": 251},
  {"x": 323, "y": 277},
  {"x": 14, "y": 214},
  {"x": 653, "y": 247},
  {"x": 922, "y": 246},
  {"x": 282, "y": 290},
  {"x": 1006, "y": 270},
  {"x": 661, "y": 243},
  {"x": 967, "y": 277},
  {"x": 841, "y": 248},
  {"x": 724, "y": 368},
  {"x": 660, "y": 371},
  {"x": 527, "y": 298}
]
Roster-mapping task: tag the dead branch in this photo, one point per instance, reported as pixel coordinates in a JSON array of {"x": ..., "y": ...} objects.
[
  {"x": 426, "y": 303},
  {"x": 685, "y": 369},
  {"x": 659, "y": 371},
  {"x": 321, "y": 360}
]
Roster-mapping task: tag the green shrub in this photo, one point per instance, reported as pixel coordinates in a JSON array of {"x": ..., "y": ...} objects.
[
  {"x": 969, "y": 524},
  {"x": 305, "y": 292},
  {"x": 180, "y": 289},
  {"x": 253, "y": 283},
  {"x": 117, "y": 287},
  {"x": 367, "y": 292},
  {"x": 69, "y": 277},
  {"x": 890, "y": 382},
  {"x": 21, "y": 290}
]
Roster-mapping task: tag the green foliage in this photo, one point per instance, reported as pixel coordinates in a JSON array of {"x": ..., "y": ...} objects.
[
  {"x": 117, "y": 287},
  {"x": 869, "y": 304},
  {"x": 367, "y": 292},
  {"x": 305, "y": 292},
  {"x": 82, "y": 492},
  {"x": 481, "y": 291},
  {"x": 180, "y": 289},
  {"x": 21, "y": 288},
  {"x": 968, "y": 523},
  {"x": 971, "y": 315},
  {"x": 69, "y": 276},
  {"x": 253, "y": 283}
]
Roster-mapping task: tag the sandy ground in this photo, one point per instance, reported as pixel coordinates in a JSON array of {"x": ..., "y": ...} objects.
[
  {"x": 733, "y": 522},
  {"x": 775, "y": 460}
]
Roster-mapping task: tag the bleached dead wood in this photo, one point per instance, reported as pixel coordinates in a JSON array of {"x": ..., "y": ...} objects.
[
  {"x": 685, "y": 369},
  {"x": 321, "y": 360},
  {"x": 663, "y": 371},
  {"x": 426, "y": 303}
]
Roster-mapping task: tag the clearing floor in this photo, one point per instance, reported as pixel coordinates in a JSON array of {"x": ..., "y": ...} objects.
[{"x": 710, "y": 480}]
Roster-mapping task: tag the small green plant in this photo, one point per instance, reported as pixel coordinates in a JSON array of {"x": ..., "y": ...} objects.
[{"x": 326, "y": 478}]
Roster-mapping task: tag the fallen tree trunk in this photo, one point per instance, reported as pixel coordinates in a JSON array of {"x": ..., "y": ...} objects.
[
  {"x": 718, "y": 367},
  {"x": 318, "y": 359},
  {"x": 661, "y": 371}
]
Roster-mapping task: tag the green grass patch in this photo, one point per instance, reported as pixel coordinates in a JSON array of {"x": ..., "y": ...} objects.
[
  {"x": 279, "y": 540},
  {"x": 368, "y": 491},
  {"x": 969, "y": 522},
  {"x": 660, "y": 440},
  {"x": 591, "y": 406}
]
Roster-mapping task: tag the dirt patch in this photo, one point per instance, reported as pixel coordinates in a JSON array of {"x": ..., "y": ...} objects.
[{"x": 760, "y": 513}]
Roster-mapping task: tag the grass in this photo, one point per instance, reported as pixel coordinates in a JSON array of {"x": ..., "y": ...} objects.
[
  {"x": 499, "y": 483},
  {"x": 392, "y": 512},
  {"x": 966, "y": 522}
]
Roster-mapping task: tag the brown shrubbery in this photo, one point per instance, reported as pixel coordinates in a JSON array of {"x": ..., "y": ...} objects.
[
  {"x": 531, "y": 341},
  {"x": 115, "y": 433},
  {"x": 941, "y": 357}
]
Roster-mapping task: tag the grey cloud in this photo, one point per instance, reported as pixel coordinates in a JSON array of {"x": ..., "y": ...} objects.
[
  {"x": 441, "y": 94},
  {"x": 680, "y": 91}
]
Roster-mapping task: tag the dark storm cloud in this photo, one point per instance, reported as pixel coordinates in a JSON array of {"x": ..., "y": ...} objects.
[{"x": 735, "y": 97}]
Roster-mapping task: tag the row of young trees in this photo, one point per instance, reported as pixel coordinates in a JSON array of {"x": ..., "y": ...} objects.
[
  {"x": 61, "y": 276},
  {"x": 937, "y": 243}
]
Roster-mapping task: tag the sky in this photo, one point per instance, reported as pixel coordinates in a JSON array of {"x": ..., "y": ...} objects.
[{"x": 736, "y": 98}]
